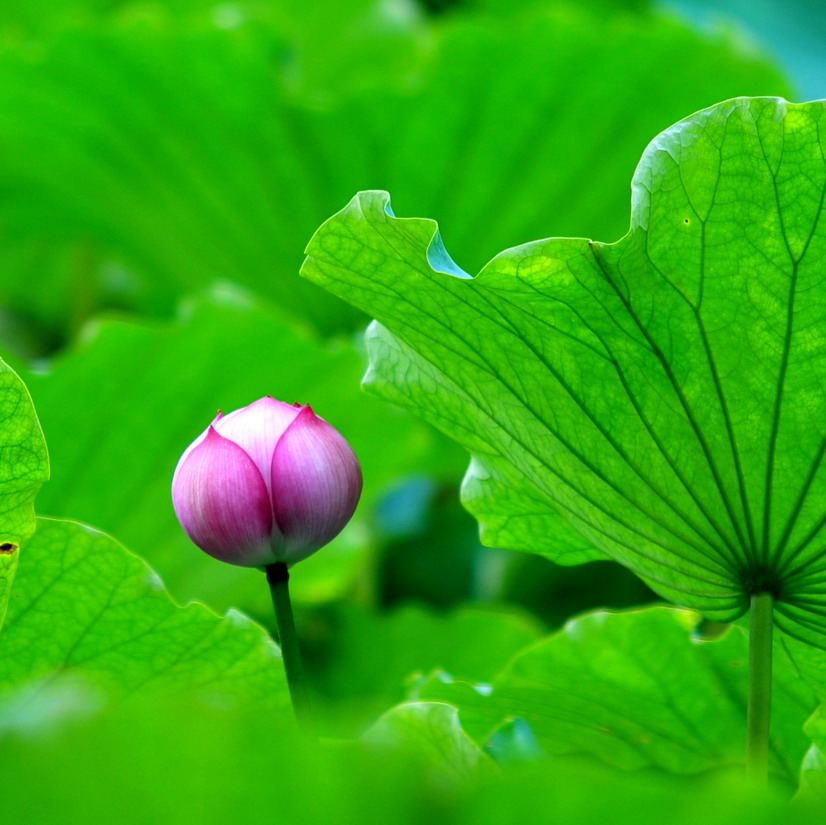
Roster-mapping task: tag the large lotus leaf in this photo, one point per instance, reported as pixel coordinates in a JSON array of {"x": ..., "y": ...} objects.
[
  {"x": 88, "y": 617},
  {"x": 636, "y": 690},
  {"x": 24, "y": 466},
  {"x": 665, "y": 394},
  {"x": 115, "y": 441},
  {"x": 143, "y": 161}
]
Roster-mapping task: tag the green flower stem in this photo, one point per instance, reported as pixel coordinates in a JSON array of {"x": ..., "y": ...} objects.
[
  {"x": 278, "y": 578},
  {"x": 760, "y": 686}
]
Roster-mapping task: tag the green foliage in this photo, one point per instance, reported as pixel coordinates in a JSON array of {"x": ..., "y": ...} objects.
[
  {"x": 179, "y": 763},
  {"x": 162, "y": 389},
  {"x": 149, "y": 154},
  {"x": 24, "y": 462},
  {"x": 432, "y": 732},
  {"x": 170, "y": 158},
  {"x": 635, "y": 690},
  {"x": 663, "y": 392},
  {"x": 362, "y": 661},
  {"x": 88, "y": 622},
  {"x": 24, "y": 466}
]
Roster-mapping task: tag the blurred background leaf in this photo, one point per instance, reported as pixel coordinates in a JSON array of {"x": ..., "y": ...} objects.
[
  {"x": 363, "y": 662},
  {"x": 177, "y": 763},
  {"x": 145, "y": 155}
]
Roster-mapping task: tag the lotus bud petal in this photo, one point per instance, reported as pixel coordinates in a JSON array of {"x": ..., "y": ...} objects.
[
  {"x": 268, "y": 482},
  {"x": 315, "y": 482},
  {"x": 256, "y": 428},
  {"x": 222, "y": 502}
]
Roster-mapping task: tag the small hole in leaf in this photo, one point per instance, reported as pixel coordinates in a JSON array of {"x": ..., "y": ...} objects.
[
  {"x": 7, "y": 547},
  {"x": 686, "y": 220}
]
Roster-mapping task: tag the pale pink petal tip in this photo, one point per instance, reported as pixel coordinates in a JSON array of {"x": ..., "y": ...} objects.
[{"x": 256, "y": 428}]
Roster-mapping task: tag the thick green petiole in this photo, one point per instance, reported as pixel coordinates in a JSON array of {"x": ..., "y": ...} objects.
[
  {"x": 278, "y": 578},
  {"x": 760, "y": 686}
]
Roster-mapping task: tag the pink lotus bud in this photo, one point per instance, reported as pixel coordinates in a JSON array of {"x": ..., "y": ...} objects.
[{"x": 269, "y": 482}]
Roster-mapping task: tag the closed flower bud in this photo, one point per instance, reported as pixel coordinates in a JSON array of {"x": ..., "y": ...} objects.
[{"x": 271, "y": 482}]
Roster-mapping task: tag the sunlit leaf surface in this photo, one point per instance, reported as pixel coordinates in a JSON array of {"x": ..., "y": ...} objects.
[
  {"x": 85, "y": 611},
  {"x": 664, "y": 393},
  {"x": 636, "y": 690},
  {"x": 24, "y": 466}
]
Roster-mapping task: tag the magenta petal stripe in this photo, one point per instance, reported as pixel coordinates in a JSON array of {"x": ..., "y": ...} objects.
[
  {"x": 315, "y": 482},
  {"x": 221, "y": 500}
]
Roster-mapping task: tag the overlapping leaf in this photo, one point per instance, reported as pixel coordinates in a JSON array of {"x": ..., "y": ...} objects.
[
  {"x": 431, "y": 731},
  {"x": 24, "y": 466},
  {"x": 84, "y": 611},
  {"x": 635, "y": 690},
  {"x": 667, "y": 393},
  {"x": 24, "y": 463}
]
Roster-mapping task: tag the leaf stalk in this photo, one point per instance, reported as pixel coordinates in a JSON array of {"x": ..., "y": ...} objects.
[
  {"x": 278, "y": 579},
  {"x": 760, "y": 686}
]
